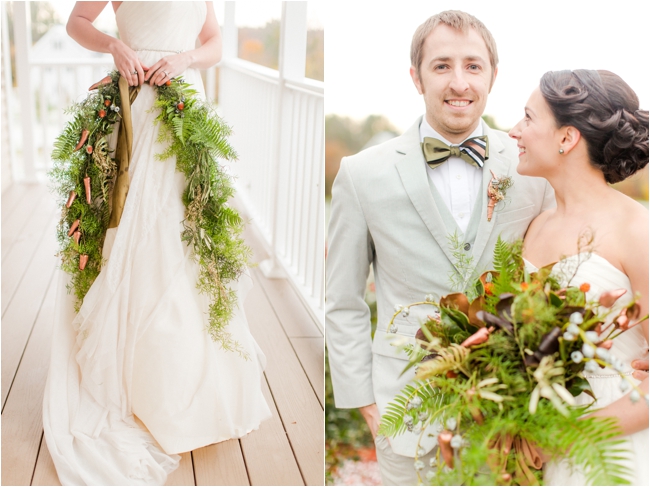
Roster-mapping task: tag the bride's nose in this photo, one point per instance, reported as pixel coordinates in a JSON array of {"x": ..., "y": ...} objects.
[{"x": 515, "y": 133}]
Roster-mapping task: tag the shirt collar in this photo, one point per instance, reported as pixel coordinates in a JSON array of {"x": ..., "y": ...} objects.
[{"x": 427, "y": 131}]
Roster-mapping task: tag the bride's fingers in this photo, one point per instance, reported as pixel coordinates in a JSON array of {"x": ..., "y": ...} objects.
[
  {"x": 160, "y": 77},
  {"x": 640, "y": 375},
  {"x": 165, "y": 77},
  {"x": 131, "y": 78},
  {"x": 151, "y": 71},
  {"x": 140, "y": 75}
]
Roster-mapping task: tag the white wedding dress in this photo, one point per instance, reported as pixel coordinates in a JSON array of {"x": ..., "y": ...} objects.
[
  {"x": 134, "y": 376},
  {"x": 603, "y": 276}
]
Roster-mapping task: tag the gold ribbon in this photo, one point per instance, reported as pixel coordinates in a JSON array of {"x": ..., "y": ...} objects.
[
  {"x": 526, "y": 457},
  {"x": 123, "y": 151}
]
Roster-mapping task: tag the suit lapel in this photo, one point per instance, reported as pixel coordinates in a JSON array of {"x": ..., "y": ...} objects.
[
  {"x": 500, "y": 166},
  {"x": 412, "y": 171}
]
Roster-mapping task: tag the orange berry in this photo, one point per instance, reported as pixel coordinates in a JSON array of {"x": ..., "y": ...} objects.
[
  {"x": 489, "y": 287},
  {"x": 107, "y": 102},
  {"x": 584, "y": 287},
  {"x": 180, "y": 105},
  {"x": 168, "y": 83},
  {"x": 89, "y": 149},
  {"x": 102, "y": 113},
  {"x": 524, "y": 286}
]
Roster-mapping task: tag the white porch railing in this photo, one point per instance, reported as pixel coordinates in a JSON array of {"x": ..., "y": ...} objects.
[
  {"x": 290, "y": 216},
  {"x": 56, "y": 84},
  {"x": 277, "y": 117}
]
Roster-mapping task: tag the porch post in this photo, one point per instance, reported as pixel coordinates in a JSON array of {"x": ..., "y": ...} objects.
[
  {"x": 23, "y": 43},
  {"x": 8, "y": 137},
  {"x": 291, "y": 65},
  {"x": 229, "y": 32}
]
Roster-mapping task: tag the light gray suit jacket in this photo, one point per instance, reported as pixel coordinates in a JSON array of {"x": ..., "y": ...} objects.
[{"x": 386, "y": 213}]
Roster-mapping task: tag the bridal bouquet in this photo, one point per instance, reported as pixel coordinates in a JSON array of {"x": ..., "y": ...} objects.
[
  {"x": 498, "y": 368},
  {"x": 85, "y": 173}
]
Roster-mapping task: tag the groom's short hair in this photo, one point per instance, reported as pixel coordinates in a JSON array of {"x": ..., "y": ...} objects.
[{"x": 458, "y": 20}]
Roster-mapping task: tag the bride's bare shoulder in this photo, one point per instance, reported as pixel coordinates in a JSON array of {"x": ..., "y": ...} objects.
[
  {"x": 630, "y": 221},
  {"x": 538, "y": 223},
  {"x": 630, "y": 212}
]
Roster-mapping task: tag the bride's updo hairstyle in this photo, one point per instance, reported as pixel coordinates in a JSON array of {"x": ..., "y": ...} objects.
[{"x": 605, "y": 110}]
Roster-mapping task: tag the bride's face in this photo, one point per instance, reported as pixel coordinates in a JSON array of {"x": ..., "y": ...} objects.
[{"x": 537, "y": 138}]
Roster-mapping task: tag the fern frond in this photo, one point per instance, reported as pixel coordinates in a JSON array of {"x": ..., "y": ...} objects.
[
  {"x": 392, "y": 422},
  {"x": 449, "y": 358}
]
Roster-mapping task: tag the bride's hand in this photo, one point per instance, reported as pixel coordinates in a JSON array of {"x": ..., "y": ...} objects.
[
  {"x": 167, "y": 68},
  {"x": 641, "y": 367},
  {"x": 127, "y": 63}
]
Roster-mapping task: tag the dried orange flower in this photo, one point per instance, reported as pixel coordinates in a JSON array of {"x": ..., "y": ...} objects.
[
  {"x": 524, "y": 286},
  {"x": 585, "y": 287}
]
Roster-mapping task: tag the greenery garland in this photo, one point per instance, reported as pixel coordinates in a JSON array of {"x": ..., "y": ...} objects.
[
  {"x": 499, "y": 365},
  {"x": 197, "y": 137}
]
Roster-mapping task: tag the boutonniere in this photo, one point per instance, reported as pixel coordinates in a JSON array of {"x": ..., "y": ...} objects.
[{"x": 496, "y": 190}]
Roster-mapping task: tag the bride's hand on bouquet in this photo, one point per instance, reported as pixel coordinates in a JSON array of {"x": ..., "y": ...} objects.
[
  {"x": 167, "y": 68},
  {"x": 641, "y": 369},
  {"x": 127, "y": 63}
]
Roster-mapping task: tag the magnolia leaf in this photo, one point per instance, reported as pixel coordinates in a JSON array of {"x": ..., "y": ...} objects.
[
  {"x": 458, "y": 318},
  {"x": 555, "y": 300},
  {"x": 579, "y": 385}
]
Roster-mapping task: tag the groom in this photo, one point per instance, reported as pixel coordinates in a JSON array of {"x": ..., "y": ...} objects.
[{"x": 395, "y": 208}]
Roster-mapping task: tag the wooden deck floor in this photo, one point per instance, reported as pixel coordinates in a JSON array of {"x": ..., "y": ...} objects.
[{"x": 287, "y": 449}]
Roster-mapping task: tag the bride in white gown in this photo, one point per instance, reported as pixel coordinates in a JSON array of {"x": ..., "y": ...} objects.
[
  {"x": 582, "y": 130},
  {"x": 135, "y": 377}
]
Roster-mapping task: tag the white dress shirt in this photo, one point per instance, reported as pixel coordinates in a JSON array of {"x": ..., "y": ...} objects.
[{"x": 457, "y": 181}]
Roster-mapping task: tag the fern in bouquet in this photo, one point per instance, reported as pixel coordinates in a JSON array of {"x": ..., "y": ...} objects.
[
  {"x": 85, "y": 172},
  {"x": 83, "y": 175},
  {"x": 498, "y": 368}
]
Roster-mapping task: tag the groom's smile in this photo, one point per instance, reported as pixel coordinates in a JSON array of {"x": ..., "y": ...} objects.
[
  {"x": 458, "y": 103},
  {"x": 455, "y": 77}
]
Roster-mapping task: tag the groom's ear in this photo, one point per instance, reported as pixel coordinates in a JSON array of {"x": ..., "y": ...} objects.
[
  {"x": 494, "y": 77},
  {"x": 416, "y": 79},
  {"x": 570, "y": 138}
]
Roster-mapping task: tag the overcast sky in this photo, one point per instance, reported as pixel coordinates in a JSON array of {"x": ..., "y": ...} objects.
[{"x": 367, "y": 50}]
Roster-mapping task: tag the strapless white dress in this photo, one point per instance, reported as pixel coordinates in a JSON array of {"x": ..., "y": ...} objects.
[
  {"x": 603, "y": 276},
  {"x": 134, "y": 376}
]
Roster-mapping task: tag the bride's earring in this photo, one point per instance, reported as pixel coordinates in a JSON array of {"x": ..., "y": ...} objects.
[{"x": 561, "y": 151}]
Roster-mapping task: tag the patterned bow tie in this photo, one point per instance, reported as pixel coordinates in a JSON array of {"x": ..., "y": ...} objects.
[{"x": 473, "y": 151}]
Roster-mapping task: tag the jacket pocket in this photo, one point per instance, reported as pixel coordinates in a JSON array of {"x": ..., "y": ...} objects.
[{"x": 391, "y": 344}]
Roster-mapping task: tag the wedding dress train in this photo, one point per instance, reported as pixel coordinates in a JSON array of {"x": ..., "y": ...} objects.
[
  {"x": 135, "y": 377},
  {"x": 603, "y": 276}
]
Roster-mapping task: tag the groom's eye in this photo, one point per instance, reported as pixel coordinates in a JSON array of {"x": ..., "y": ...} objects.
[{"x": 474, "y": 67}]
